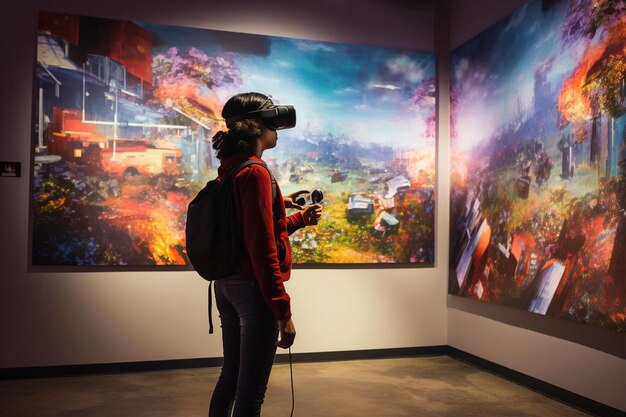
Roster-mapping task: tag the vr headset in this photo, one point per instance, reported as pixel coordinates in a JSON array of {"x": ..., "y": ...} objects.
[{"x": 274, "y": 117}]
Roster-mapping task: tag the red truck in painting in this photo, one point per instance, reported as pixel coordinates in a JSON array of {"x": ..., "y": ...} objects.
[{"x": 73, "y": 140}]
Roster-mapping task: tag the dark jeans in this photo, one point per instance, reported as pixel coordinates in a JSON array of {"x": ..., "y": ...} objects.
[{"x": 249, "y": 333}]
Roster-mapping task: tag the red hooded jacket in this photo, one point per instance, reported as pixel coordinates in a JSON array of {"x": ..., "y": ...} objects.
[{"x": 267, "y": 256}]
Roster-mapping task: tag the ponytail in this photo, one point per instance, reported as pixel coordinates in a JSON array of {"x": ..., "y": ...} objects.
[{"x": 218, "y": 140}]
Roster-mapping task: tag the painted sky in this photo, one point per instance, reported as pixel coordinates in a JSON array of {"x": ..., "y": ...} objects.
[
  {"x": 365, "y": 93},
  {"x": 493, "y": 74}
]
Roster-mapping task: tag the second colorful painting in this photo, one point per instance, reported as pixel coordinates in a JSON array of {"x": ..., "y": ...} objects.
[{"x": 538, "y": 203}]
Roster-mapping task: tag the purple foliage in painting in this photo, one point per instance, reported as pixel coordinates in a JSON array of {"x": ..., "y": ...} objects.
[
  {"x": 584, "y": 17},
  {"x": 194, "y": 64},
  {"x": 188, "y": 80}
]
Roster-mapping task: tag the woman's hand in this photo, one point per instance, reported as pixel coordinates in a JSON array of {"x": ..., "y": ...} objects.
[
  {"x": 290, "y": 200},
  {"x": 312, "y": 214},
  {"x": 287, "y": 333}
]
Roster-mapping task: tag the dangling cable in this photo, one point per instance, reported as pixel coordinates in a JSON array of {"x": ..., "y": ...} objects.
[
  {"x": 293, "y": 401},
  {"x": 210, "y": 308}
]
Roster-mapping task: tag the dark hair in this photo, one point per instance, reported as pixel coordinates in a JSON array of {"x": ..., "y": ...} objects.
[{"x": 240, "y": 136}]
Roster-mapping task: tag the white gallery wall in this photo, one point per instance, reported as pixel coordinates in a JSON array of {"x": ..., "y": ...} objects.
[
  {"x": 66, "y": 318},
  {"x": 579, "y": 358}
]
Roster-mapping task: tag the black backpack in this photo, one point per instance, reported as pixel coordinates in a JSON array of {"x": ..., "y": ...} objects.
[{"x": 213, "y": 244}]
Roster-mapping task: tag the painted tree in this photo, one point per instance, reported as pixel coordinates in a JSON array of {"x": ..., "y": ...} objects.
[
  {"x": 597, "y": 81},
  {"x": 585, "y": 17},
  {"x": 424, "y": 97},
  {"x": 610, "y": 82}
]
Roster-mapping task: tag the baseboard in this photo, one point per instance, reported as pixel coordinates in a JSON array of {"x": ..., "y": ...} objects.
[
  {"x": 545, "y": 388},
  {"x": 107, "y": 368},
  {"x": 560, "y": 394},
  {"x": 349, "y": 355},
  {"x": 147, "y": 366}
]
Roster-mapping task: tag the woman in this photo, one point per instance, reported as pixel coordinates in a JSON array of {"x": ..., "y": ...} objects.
[{"x": 253, "y": 304}]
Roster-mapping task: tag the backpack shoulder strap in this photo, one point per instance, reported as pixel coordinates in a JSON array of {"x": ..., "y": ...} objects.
[{"x": 231, "y": 174}]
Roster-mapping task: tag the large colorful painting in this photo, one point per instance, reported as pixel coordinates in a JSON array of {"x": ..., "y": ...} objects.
[
  {"x": 538, "y": 194},
  {"x": 125, "y": 112}
]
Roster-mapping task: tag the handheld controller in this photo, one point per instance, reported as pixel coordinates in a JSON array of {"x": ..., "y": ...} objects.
[{"x": 314, "y": 197}]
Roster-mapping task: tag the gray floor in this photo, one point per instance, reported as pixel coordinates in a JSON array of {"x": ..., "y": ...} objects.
[{"x": 407, "y": 387}]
